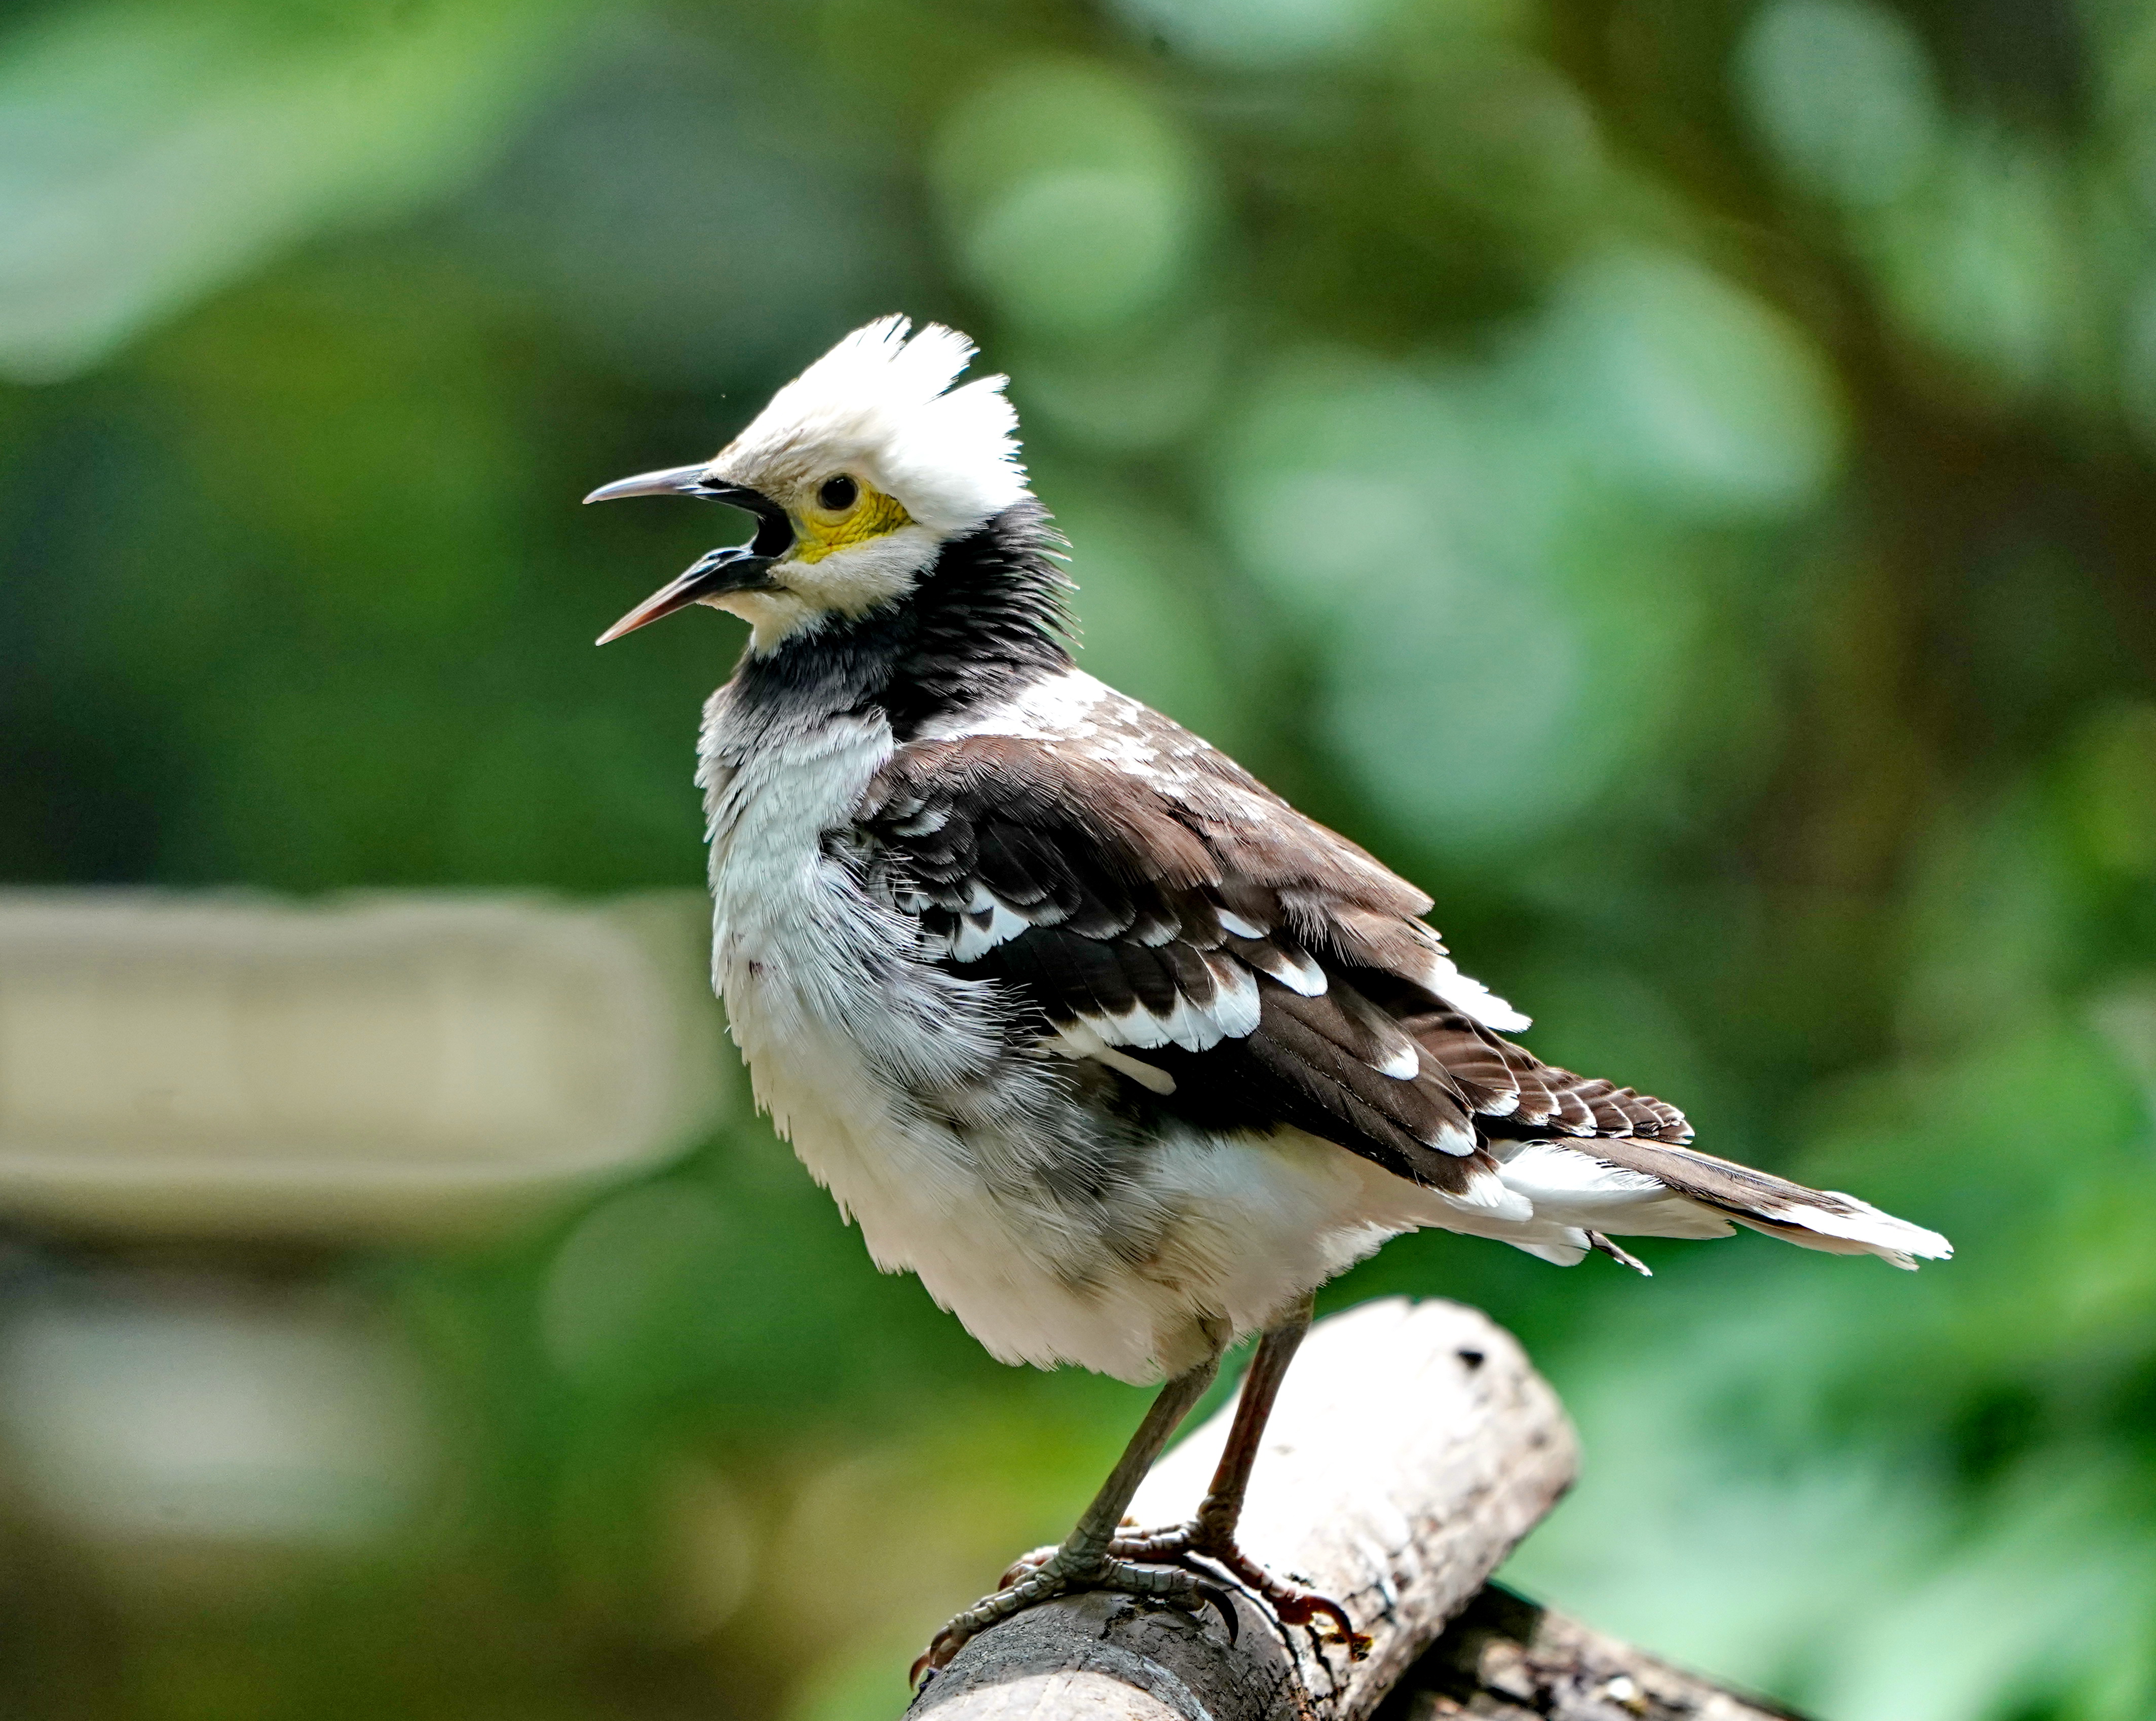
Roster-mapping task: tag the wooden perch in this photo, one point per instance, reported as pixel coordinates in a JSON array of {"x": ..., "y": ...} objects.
[
  {"x": 1412, "y": 1445},
  {"x": 1506, "y": 1659}
]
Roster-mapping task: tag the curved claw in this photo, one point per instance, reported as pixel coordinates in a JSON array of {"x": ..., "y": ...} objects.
[
  {"x": 1307, "y": 1608},
  {"x": 921, "y": 1672},
  {"x": 1218, "y": 1598},
  {"x": 1288, "y": 1603},
  {"x": 1302, "y": 1609}
]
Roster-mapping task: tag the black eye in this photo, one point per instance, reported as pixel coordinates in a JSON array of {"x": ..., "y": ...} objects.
[{"x": 837, "y": 494}]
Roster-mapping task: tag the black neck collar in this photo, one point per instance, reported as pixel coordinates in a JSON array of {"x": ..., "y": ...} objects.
[{"x": 984, "y": 620}]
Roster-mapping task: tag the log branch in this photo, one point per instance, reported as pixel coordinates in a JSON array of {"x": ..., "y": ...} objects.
[
  {"x": 1507, "y": 1659},
  {"x": 1412, "y": 1445}
]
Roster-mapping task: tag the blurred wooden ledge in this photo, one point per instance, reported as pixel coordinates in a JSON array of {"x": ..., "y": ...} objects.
[
  {"x": 375, "y": 1067},
  {"x": 1414, "y": 1445}
]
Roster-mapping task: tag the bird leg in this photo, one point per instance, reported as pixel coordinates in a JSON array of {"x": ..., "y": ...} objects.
[
  {"x": 1210, "y": 1535},
  {"x": 1085, "y": 1559}
]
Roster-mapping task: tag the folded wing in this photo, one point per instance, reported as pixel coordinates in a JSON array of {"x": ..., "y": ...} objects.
[{"x": 1166, "y": 918}]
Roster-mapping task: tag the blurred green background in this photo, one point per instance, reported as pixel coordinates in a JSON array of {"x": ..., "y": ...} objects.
[{"x": 1673, "y": 476}]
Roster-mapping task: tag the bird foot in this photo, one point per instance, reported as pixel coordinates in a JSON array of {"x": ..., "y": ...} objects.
[
  {"x": 1291, "y": 1604},
  {"x": 1049, "y": 1572}
]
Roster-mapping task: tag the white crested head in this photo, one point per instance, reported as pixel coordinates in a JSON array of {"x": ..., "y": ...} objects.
[
  {"x": 881, "y": 406},
  {"x": 858, "y": 472}
]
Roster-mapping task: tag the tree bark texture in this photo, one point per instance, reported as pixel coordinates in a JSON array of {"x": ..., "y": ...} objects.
[{"x": 1507, "y": 1659}]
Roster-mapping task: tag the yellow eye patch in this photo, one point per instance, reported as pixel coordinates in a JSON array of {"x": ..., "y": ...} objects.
[{"x": 817, "y": 531}]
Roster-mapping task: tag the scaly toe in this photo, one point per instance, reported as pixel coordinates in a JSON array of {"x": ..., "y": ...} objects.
[
  {"x": 1045, "y": 1573},
  {"x": 1025, "y": 1565},
  {"x": 1183, "y": 1545},
  {"x": 1169, "y": 1544}
]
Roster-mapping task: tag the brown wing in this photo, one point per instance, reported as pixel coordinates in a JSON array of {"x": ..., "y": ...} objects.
[{"x": 1236, "y": 964}]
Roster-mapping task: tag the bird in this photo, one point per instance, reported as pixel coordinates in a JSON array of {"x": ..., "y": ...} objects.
[{"x": 1116, "y": 1051}]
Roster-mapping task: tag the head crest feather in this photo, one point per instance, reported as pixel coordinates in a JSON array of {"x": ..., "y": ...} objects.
[{"x": 883, "y": 405}]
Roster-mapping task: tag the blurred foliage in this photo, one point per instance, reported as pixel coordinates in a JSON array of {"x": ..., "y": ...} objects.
[{"x": 1676, "y": 479}]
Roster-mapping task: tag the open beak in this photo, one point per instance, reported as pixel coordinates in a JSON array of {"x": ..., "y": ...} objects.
[{"x": 739, "y": 568}]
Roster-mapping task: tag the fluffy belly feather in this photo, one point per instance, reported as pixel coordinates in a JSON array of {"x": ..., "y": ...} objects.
[{"x": 1211, "y": 1234}]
